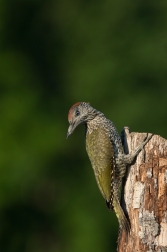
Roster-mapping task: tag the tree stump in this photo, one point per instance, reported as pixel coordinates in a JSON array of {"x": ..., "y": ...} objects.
[{"x": 145, "y": 195}]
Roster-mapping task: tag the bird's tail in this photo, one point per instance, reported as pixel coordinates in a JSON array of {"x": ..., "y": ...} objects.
[{"x": 123, "y": 221}]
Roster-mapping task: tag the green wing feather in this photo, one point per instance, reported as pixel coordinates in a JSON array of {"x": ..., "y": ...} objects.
[{"x": 101, "y": 152}]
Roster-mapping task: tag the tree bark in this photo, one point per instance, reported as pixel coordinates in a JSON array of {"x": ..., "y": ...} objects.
[{"x": 145, "y": 195}]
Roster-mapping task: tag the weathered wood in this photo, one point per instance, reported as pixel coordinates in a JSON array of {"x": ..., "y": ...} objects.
[{"x": 145, "y": 195}]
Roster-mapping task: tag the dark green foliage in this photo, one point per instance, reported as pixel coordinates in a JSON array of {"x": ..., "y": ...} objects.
[{"x": 53, "y": 54}]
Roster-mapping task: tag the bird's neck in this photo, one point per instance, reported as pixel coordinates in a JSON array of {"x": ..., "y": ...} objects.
[{"x": 95, "y": 123}]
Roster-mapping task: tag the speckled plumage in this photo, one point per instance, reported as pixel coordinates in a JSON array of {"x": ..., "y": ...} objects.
[{"x": 105, "y": 151}]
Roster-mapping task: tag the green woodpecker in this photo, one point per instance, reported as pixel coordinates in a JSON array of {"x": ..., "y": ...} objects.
[{"x": 105, "y": 151}]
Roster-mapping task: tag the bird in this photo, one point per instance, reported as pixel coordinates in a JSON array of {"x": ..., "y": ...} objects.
[{"x": 105, "y": 151}]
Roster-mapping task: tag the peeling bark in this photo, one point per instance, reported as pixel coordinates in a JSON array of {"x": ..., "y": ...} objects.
[{"x": 145, "y": 195}]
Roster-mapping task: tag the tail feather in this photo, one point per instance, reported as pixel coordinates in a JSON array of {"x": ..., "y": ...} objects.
[{"x": 123, "y": 221}]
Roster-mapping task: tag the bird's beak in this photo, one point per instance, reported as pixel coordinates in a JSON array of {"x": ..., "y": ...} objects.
[{"x": 70, "y": 130}]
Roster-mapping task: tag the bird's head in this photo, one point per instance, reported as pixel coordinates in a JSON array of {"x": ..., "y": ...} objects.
[{"x": 80, "y": 112}]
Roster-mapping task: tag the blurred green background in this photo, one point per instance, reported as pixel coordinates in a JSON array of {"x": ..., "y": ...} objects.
[{"x": 112, "y": 54}]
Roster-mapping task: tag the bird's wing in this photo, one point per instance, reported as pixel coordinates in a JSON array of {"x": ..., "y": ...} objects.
[{"x": 101, "y": 154}]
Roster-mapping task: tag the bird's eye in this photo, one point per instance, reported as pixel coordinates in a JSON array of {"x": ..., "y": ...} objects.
[{"x": 77, "y": 113}]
